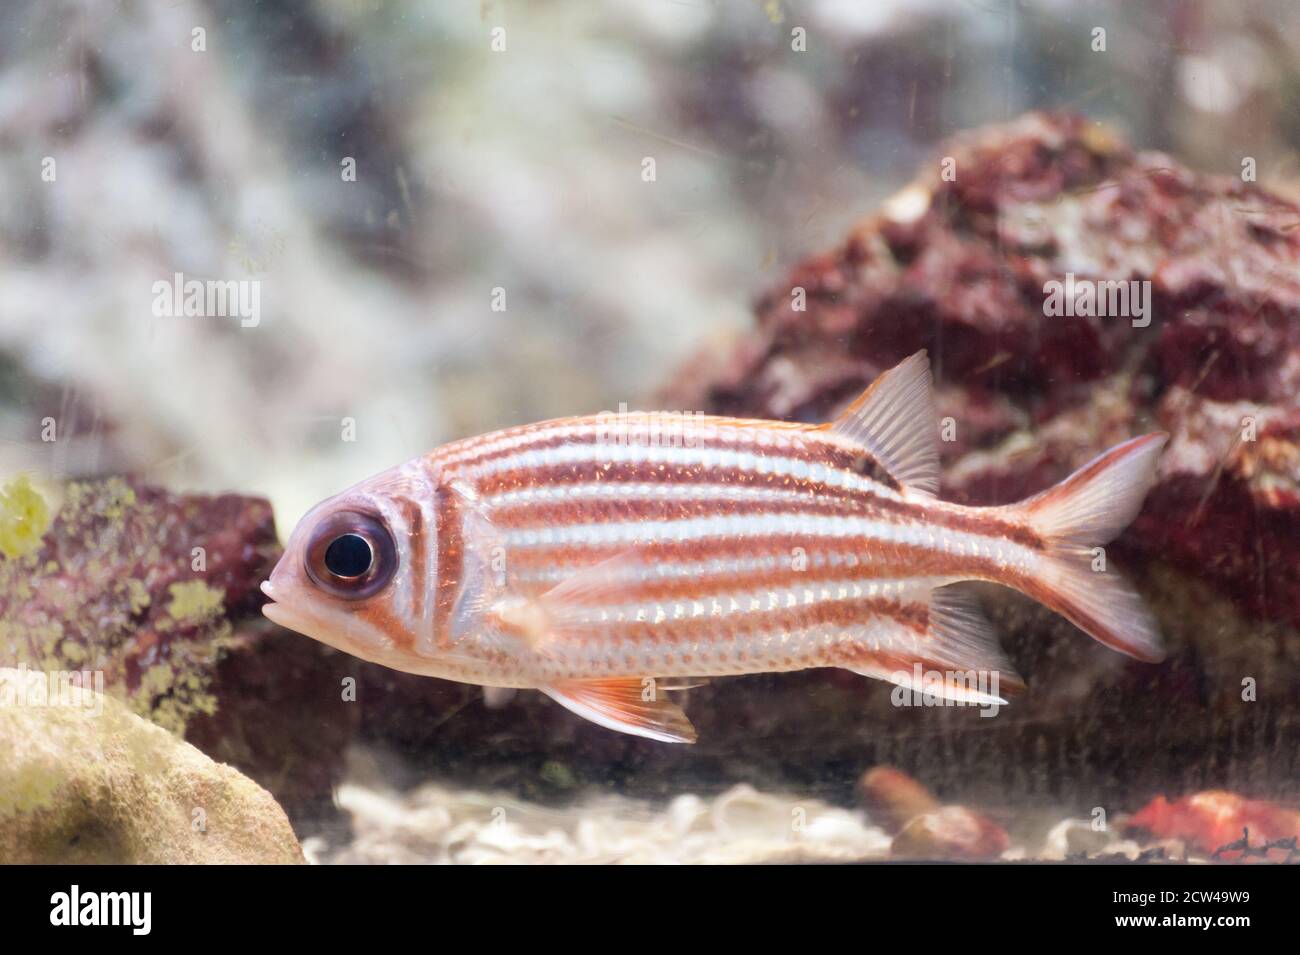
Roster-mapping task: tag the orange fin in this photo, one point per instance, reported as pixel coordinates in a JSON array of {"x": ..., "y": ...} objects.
[
  {"x": 961, "y": 637},
  {"x": 1086, "y": 510},
  {"x": 628, "y": 705},
  {"x": 895, "y": 421}
]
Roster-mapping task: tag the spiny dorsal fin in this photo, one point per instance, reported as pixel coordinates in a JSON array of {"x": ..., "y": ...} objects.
[{"x": 894, "y": 419}]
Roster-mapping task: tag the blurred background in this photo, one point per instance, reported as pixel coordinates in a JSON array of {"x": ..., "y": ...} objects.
[
  {"x": 213, "y": 138},
  {"x": 460, "y": 216}
]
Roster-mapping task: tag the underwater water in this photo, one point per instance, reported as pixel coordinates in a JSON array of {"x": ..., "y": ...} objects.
[{"x": 252, "y": 256}]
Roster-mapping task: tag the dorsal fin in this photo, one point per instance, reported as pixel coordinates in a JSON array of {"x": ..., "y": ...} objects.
[{"x": 894, "y": 419}]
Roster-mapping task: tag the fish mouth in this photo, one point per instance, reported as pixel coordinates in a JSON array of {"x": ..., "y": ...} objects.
[
  {"x": 302, "y": 621},
  {"x": 276, "y": 613},
  {"x": 290, "y": 617}
]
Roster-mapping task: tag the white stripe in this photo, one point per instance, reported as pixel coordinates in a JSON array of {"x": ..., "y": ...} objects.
[
  {"x": 694, "y": 430},
  {"x": 495, "y": 441},
  {"x": 746, "y": 461},
  {"x": 754, "y": 526},
  {"x": 780, "y": 560},
  {"x": 641, "y": 492},
  {"x": 740, "y": 603},
  {"x": 757, "y": 650}
]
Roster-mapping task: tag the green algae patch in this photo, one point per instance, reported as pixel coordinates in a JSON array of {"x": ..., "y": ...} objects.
[{"x": 24, "y": 518}]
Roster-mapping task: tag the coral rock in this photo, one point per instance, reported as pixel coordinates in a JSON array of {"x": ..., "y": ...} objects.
[
  {"x": 1216, "y": 821},
  {"x": 965, "y": 275}
]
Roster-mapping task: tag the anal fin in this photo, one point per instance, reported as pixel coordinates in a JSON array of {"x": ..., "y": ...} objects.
[
  {"x": 958, "y": 657},
  {"x": 962, "y": 638},
  {"x": 628, "y": 705}
]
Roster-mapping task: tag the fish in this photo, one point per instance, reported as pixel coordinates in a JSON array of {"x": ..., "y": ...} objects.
[{"x": 610, "y": 559}]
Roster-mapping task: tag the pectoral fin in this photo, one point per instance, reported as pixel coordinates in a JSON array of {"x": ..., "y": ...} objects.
[
  {"x": 568, "y": 606},
  {"x": 628, "y": 705},
  {"x": 610, "y": 581},
  {"x": 492, "y": 605}
]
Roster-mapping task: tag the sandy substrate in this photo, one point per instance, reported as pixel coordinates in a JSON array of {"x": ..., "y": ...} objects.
[{"x": 436, "y": 823}]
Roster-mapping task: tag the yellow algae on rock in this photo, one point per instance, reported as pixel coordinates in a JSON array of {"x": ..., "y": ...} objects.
[
  {"x": 194, "y": 601},
  {"x": 93, "y": 606},
  {"x": 87, "y": 781},
  {"x": 24, "y": 518}
]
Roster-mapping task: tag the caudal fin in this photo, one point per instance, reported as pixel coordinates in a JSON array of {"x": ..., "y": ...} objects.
[{"x": 1081, "y": 513}]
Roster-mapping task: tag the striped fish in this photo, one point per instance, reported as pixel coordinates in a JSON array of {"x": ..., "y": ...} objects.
[{"x": 598, "y": 558}]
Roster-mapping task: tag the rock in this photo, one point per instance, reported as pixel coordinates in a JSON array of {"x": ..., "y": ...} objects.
[
  {"x": 950, "y": 832},
  {"x": 961, "y": 268},
  {"x": 1224, "y": 824},
  {"x": 922, "y": 827},
  {"x": 159, "y": 592},
  {"x": 84, "y": 780},
  {"x": 281, "y": 717},
  {"x": 894, "y": 798},
  {"x": 1075, "y": 838},
  {"x": 141, "y": 584}
]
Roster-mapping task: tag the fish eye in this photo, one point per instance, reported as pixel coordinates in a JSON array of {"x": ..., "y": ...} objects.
[
  {"x": 348, "y": 555},
  {"x": 351, "y": 555}
]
